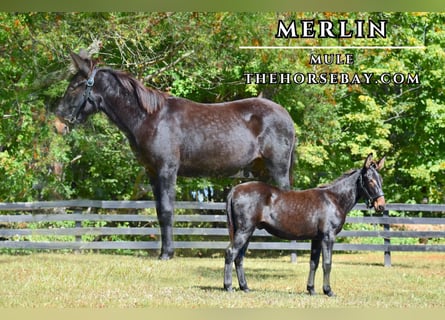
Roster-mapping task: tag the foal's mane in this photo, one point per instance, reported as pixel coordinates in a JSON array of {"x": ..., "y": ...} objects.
[
  {"x": 342, "y": 177},
  {"x": 150, "y": 100}
]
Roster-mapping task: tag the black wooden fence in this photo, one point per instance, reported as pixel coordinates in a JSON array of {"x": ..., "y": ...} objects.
[{"x": 16, "y": 233}]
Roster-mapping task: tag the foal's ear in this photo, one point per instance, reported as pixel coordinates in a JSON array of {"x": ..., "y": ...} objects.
[
  {"x": 381, "y": 163},
  {"x": 368, "y": 161},
  {"x": 81, "y": 62}
]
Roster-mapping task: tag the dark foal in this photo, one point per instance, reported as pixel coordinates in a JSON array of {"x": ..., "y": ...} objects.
[
  {"x": 173, "y": 136},
  {"x": 317, "y": 214}
]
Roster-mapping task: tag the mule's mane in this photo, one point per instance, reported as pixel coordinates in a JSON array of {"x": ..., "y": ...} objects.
[{"x": 150, "y": 100}]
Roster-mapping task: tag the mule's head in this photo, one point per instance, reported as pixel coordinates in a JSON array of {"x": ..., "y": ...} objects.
[
  {"x": 371, "y": 183},
  {"x": 79, "y": 100}
]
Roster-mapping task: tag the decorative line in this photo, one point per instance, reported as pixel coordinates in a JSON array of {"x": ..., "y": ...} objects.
[{"x": 331, "y": 47}]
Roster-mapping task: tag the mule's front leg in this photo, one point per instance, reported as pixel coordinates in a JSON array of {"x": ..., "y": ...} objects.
[
  {"x": 327, "y": 246},
  {"x": 164, "y": 189},
  {"x": 166, "y": 224}
]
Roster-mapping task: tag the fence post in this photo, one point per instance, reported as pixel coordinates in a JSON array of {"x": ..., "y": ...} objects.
[
  {"x": 78, "y": 224},
  {"x": 387, "y": 242},
  {"x": 293, "y": 254}
]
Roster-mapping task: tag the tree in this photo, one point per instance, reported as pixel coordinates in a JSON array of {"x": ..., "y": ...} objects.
[{"x": 197, "y": 56}]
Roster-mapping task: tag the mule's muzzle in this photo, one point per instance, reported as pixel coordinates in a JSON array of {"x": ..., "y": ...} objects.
[
  {"x": 61, "y": 127},
  {"x": 68, "y": 119}
]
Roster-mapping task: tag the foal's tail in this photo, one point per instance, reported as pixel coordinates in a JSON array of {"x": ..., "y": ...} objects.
[{"x": 229, "y": 208}]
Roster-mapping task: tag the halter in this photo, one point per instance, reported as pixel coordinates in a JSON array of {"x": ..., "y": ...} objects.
[
  {"x": 369, "y": 199},
  {"x": 86, "y": 96}
]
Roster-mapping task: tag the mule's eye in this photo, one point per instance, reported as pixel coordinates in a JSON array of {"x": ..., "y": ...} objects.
[{"x": 73, "y": 87}]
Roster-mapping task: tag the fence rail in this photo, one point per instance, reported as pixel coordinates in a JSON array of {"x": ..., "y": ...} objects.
[{"x": 15, "y": 233}]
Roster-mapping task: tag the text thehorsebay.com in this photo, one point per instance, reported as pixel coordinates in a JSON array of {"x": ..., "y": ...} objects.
[{"x": 307, "y": 29}]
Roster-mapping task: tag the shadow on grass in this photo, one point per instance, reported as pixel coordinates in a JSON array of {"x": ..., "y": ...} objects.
[
  {"x": 358, "y": 263},
  {"x": 253, "y": 291},
  {"x": 251, "y": 272},
  {"x": 211, "y": 288},
  {"x": 402, "y": 265}
]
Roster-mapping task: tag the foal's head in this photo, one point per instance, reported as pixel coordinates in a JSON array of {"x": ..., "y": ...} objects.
[{"x": 370, "y": 183}]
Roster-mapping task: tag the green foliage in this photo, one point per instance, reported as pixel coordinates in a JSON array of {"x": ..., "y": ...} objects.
[{"x": 197, "y": 56}]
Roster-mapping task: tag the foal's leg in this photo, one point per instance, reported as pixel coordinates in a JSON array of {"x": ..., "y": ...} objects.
[
  {"x": 240, "y": 270},
  {"x": 230, "y": 257},
  {"x": 313, "y": 265},
  {"x": 235, "y": 252},
  {"x": 327, "y": 246}
]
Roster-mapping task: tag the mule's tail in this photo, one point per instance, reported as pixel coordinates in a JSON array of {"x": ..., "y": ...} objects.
[
  {"x": 292, "y": 163},
  {"x": 229, "y": 211}
]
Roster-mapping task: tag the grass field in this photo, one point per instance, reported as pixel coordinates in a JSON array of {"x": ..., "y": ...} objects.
[{"x": 416, "y": 280}]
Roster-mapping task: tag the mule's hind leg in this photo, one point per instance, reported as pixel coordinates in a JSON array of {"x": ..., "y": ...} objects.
[
  {"x": 280, "y": 175},
  {"x": 315, "y": 259},
  {"x": 279, "y": 160},
  {"x": 280, "y": 172}
]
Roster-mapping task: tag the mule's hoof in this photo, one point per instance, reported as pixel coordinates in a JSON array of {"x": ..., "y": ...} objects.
[{"x": 246, "y": 290}]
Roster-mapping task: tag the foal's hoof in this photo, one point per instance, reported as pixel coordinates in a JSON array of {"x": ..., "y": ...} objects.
[
  {"x": 311, "y": 290},
  {"x": 328, "y": 291},
  {"x": 228, "y": 288},
  {"x": 165, "y": 256}
]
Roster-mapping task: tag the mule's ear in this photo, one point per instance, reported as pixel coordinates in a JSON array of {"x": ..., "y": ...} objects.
[
  {"x": 368, "y": 161},
  {"x": 82, "y": 64},
  {"x": 380, "y": 163}
]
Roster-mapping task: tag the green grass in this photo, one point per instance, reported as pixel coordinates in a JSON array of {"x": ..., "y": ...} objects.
[{"x": 415, "y": 280}]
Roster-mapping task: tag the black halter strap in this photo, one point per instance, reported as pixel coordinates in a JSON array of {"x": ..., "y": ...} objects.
[
  {"x": 86, "y": 96},
  {"x": 369, "y": 198}
]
